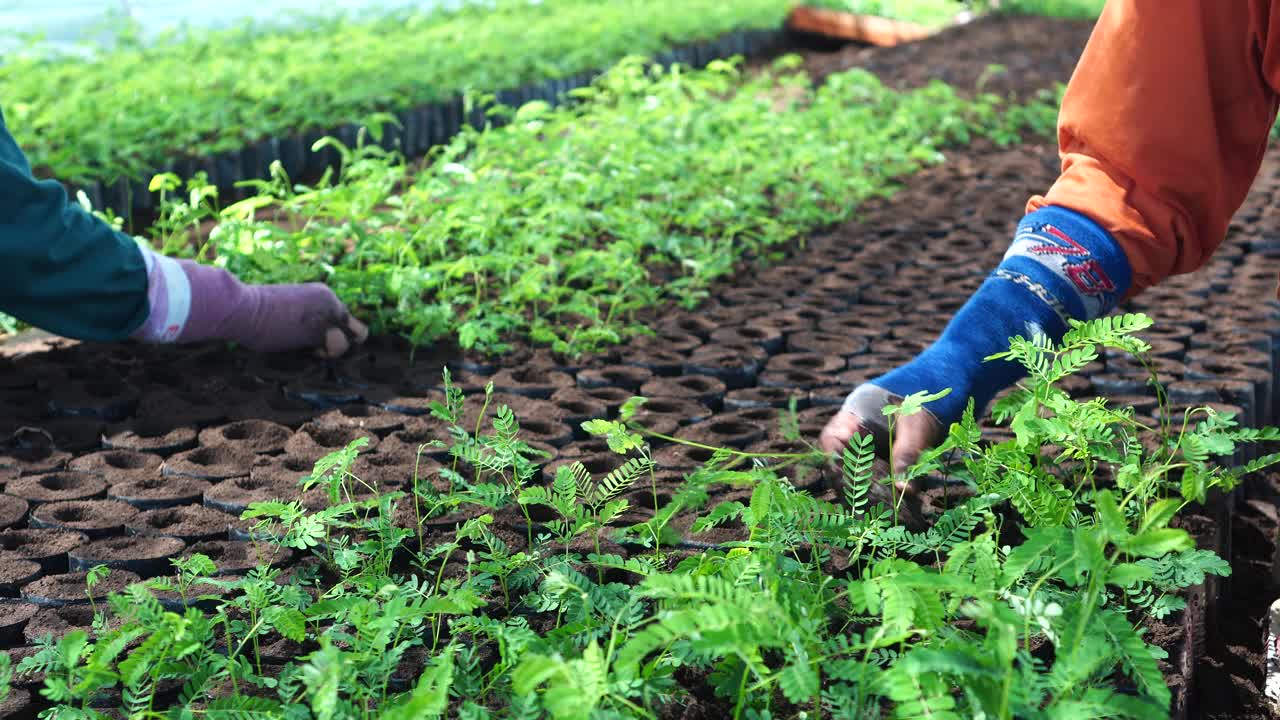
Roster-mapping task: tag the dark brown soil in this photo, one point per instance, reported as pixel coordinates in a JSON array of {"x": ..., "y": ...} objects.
[
  {"x": 1034, "y": 52},
  {"x": 14, "y": 616},
  {"x": 71, "y": 589},
  {"x": 769, "y": 338},
  {"x": 237, "y": 558},
  {"x": 393, "y": 470},
  {"x": 74, "y": 434},
  {"x": 314, "y": 440},
  {"x": 58, "y": 621},
  {"x": 155, "y": 436},
  {"x": 25, "y": 680},
  {"x": 718, "y": 432},
  {"x": 370, "y": 418},
  {"x": 626, "y": 377},
  {"x": 13, "y": 511},
  {"x": 701, "y": 388},
  {"x": 611, "y": 397},
  {"x": 680, "y": 457},
  {"x": 760, "y": 397},
  {"x": 284, "y": 470},
  {"x": 159, "y": 492},
  {"x": 554, "y": 433},
  {"x": 192, "y": 523},
  {"x": 531, "y": 381},
  {"x": 1230, "y": 675},
  {"x": 683, "y": 411},
  {"x": 57, "y": 487},
  {"x": 147, "y": 556},
  {"x": 806, "y": 362},
  {"x": 35, "y": 460},
  {"x": 577, "y": 406},
  {"x": 16, "y": 573},
  {"x": 186, "y": 407},
  {"x": 236, "y": 494},
  {"x": 734, "y": 365},
  {"x": 17, "y": 704},
  {"x": 248, "y": 436},
  {"x": 597, "y": 464},
  {"x": 102, "y": 398},
  {"x": 406, "y": 442},
  {"x": 276, "y": 408},
  {"x": 410, "y": 404},
  {"x": 119, "y": 465},
  {"x": 49, "y": 548},
  {"x": 523, "y": 406},
  {"x": 95, "y": 518},
  {"x": 216, "y": 462}
]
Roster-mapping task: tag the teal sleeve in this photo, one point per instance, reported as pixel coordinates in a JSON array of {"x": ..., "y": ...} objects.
[{"x": 66, "y": 271}]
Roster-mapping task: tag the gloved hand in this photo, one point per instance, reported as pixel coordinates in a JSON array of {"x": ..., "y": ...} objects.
[
  {"x": 1061, "y": 265},
  {"x": 862, "y": 414},
  {"x": 191, "y": 302}
]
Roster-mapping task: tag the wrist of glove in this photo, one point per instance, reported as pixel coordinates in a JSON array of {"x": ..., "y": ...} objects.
[
  {"x": 191, "y": 302},
  {"x": 1061, "y": 266}
]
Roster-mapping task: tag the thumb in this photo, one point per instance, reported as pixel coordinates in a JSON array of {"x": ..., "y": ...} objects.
[
  {"x": 339, "y": 338},
  {"x": 839, "y": 430}
]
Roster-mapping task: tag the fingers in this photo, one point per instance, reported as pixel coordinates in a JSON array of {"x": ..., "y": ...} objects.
[
  {"x": 359, "y": 331},
  {"x": 913, "y": 434},
  {"x": 336, "y": 343},
  {"x": 839, "y": 430},
  {"x": 338, "y": 340}
]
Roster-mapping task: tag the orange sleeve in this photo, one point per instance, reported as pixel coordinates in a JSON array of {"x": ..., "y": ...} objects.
[{"x": 1163, "y": 127}]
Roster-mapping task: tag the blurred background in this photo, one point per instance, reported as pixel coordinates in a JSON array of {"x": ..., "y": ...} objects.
[{"x": 69, "y": 22}]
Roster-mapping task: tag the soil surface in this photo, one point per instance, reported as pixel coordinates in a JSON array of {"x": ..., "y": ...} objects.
[
  {"x": 127, "y": 453},
  {"x": 995, "y": 53},
  {"x": 70, "y": 588},
  {"x": 191, "y": 523},
  {"x": 146, "y": 555}
]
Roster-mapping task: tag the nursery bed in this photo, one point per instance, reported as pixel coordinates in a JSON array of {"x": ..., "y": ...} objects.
[
  {"x": 857, "y": 300},
  {"x": 1033, "y": 52}
]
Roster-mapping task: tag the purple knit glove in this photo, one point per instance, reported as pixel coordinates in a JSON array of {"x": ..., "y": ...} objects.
[{"x": 191, "y": 302}]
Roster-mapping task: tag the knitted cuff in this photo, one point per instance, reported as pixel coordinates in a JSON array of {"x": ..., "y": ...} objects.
[
  {"x": 1061, "y": 266},
  {"x": 1083, "y": 270},
  {"x": 168, "y": 297}
]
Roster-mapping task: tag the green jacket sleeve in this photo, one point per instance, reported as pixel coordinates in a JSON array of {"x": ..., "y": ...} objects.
[{"x": 66, "y": 271}]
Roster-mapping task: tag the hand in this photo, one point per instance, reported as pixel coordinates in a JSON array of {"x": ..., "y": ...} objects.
[
  {"x": 290, "y": 317},
  {"x": 863, "y": 414},
  {"x": 912, "y": 435},
  {"x": 338, "y": 340},
  {"x": 190, "y": 302}
]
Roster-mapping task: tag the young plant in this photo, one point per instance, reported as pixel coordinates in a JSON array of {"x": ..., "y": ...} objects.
[
  {"x": 514, "y": 571},
  {"x": 1029, "y": 598},
  {"x": 583, "y": 503}
]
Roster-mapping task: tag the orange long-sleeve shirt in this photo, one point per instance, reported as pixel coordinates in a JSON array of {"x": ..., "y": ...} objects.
[{"x": 1164, "y": 125}]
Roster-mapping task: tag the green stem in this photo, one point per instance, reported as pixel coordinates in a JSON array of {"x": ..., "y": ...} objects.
[{"x": 731, "y": 451}]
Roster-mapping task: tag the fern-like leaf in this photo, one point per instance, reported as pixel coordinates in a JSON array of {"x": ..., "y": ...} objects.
[
  {"x": 1137, "y": 658},
  {"x": 621, "y": 480},
  {"x": 859, "y": 458}
]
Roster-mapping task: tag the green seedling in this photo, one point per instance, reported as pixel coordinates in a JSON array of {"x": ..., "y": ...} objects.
[
  {"x": 209, "y": 92},
  {"x": 583, "y": 503},
  {"x": 554, "y": 227}
]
